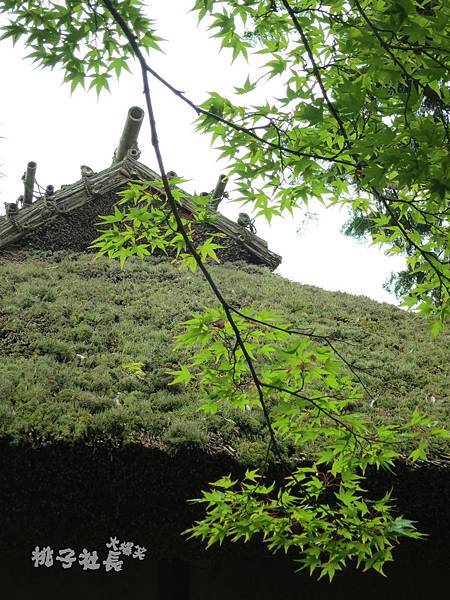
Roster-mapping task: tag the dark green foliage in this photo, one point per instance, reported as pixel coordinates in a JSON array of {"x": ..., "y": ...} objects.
[
  {"x": 69, "y": 325},
  {"x": 359, "y": 226}
]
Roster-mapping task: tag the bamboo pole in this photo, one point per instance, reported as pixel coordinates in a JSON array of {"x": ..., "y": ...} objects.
[
  {"x": 130, "y": 134},
  {"x": 28, "y": 183}
]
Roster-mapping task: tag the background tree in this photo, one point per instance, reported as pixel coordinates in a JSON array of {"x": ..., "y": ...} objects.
[
  {"x": 360, "y": 226},
  {"x": 360, "y": 118}
]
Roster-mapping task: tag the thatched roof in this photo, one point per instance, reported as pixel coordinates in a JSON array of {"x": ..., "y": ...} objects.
[
  {"x": 21, "y": 224},
  {"x": 84, "y": 441}
]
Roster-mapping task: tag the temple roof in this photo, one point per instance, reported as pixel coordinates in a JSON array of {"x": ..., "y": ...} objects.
[{"x": 20, "y": 222}]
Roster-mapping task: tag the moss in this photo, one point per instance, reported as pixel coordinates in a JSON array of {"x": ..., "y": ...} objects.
[
  {"x": 251, "y": 453},
  {"x": 69, "y": 324},
  {"x": 183, "y": 432}
]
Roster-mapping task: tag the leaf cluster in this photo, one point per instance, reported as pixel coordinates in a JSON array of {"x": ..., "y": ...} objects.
[
  {"x": 320, "y": 512},
  {"x": 146, "y": 225},
  {"x": 347, "y": 529},
  {"x": 82, "y": 38},
  {"x": 361, "y": 117}
]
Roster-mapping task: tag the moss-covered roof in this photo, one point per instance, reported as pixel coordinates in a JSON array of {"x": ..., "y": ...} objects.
[
  {"x": 68, "y": 324},
  {"x": 83, "y": 441}
]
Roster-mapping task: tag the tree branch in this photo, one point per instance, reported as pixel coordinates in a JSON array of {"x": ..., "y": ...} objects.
[
  {"x": 145, "y": 70},
  {"x": 316, "y": 71}
]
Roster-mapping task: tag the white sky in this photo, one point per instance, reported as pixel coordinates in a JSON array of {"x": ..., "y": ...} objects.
[{"x": 40, "y": 121}]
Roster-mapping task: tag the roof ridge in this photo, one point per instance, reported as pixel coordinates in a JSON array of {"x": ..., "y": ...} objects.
[{"x": 19, "y": 222}]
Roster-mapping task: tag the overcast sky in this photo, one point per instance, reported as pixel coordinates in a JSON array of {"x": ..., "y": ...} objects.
[{"x": 41, "y": 121}]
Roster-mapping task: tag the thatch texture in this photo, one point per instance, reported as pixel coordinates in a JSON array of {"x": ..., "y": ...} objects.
[{"x": 69, "y": 219}]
